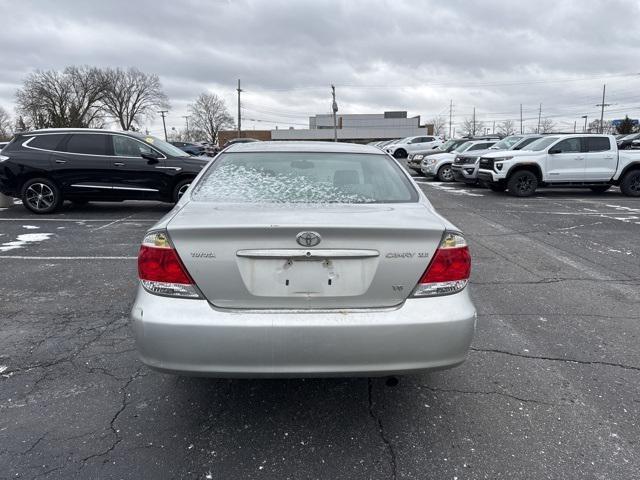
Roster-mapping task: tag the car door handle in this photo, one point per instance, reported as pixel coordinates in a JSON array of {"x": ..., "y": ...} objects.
[
  {"x": 118, "y": 164},
  {"x": 61, "y": 161}
]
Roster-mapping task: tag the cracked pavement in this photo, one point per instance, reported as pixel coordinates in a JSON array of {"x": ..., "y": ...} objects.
[{"x": 551, "y": 387}]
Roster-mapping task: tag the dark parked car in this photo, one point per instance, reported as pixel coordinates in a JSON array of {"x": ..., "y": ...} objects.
[
  {"x": 46, "y": 167},
  {"x": 190, "y": 148},
  {"x": 626, "y": 142}
]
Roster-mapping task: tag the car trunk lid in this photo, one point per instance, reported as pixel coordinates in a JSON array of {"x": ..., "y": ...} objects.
[{"x": 250, "y": 257}]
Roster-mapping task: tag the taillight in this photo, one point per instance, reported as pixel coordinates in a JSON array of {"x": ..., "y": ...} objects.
[
  {"x": 160, "y": 270},
  {"x": 449, "y": 269}
]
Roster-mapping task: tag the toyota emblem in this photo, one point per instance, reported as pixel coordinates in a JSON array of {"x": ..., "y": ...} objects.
[{"x": 308, "y": 239}]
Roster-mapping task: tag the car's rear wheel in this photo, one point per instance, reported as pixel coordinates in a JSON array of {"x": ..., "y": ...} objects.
[
  {"x": 522, "y": 184},
  {"x": 400, "y": 153},
  {"x": 600, "y": 188},
  {"x": 41, "y": 195},
  {"x": 180, "y": 188},
  {"x": 630, "y": 184},
  {"x": 445, "y": 174}
]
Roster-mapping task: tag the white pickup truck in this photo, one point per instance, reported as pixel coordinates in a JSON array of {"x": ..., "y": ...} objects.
[{"x": 588, "y": 161}]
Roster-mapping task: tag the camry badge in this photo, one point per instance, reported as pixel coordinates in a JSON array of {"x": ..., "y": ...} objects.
[{"x": 308, "y": 239}]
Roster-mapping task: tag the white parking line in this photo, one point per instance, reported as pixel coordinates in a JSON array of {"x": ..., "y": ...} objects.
[
  {"x": 23, "y": 257},
  {"x": 101, "y": 220},
  {"x": 112, "y": 223}
]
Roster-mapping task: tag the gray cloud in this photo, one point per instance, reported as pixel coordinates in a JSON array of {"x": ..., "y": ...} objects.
[{"x": 409, "y": 55}]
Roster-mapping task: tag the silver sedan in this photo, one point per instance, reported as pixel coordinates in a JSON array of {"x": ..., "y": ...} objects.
[{"x": 303, "y": 259}]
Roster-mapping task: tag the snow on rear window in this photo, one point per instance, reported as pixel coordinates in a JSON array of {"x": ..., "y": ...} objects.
[{"x": 261, "y": 177}]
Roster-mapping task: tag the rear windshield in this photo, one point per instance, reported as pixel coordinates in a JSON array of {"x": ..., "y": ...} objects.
[{"x": 295, "y": 177}]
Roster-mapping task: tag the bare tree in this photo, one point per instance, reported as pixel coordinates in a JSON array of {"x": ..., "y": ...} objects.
[
  {"x": 71, "y": 98},
  {"x": 471, "y": 128},
  {"x": 594, "y": 127},
  {"x": 547, "y": 125},
  {"x": 209, "y": 115},
  {"x": 439, "y": 124},
  {"x": 132, "y": 94},
  {"x": 507, "y": 127},
  {"x": 5, "y": 125}
]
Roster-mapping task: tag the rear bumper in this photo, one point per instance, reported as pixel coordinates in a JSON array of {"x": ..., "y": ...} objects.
[{"x": 191, "y": 337}]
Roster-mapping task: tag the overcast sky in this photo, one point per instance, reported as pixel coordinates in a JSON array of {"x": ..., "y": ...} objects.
[{"x": 381, "y": 55}]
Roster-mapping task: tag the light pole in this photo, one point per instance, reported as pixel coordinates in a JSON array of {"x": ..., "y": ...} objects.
[
  {"x": 334, "y": 109},
  {"x": 584, "y": 130}
]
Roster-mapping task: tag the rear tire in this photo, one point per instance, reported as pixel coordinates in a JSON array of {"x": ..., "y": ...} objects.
[
  {"x": 522, "y": 184},
  {"x": 630, "y": 184},
  {"x": 600, "y": 188},
  {"x": 400, "y": 153},
  {"x": 445, "y": 174},
  {"x": 41, "y": 196},
  {"x": 496, "y": 187},
  {"x": 180, "y": 188}
]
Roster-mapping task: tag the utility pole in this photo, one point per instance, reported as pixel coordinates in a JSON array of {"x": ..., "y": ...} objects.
[
  {"x": 473, "y": 131},
  {"x": 334, "y": 109},
  {"x": 164, "y": 125},
  {"x": 574, "y": 126},
  {"x": 186, "y": 119},
  {"x": 604, "y": 87},
  {"x": 521, "y": 129},
  {"x": 539, "y": 118},
  {"x": 450, "y": 116},
  {"x": 585, "y": 123},
  {"x": 494, "y": 127},
  {"x": 239, "y": 90}
]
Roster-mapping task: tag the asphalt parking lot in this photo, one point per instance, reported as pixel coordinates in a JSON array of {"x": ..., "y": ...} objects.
[{"x": 551, "y": 388}]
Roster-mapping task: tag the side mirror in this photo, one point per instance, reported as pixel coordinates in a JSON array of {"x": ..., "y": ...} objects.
[
  {"x": 553, "y": 151},
  {"x": 150, "y": 157}
]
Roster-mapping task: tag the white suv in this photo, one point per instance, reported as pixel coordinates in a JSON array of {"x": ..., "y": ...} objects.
[
  {"x": 401, "y": 148},
  {"x": 591, "y": 161}
]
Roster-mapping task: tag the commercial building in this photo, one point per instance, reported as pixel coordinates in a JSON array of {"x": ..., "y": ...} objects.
[{"x": 356, "y": 128}]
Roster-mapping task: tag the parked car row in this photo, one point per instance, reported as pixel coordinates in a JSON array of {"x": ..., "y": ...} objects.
[{"x": 520, "y": 164}]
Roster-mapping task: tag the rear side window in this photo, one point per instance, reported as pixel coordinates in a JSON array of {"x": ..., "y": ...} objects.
[
  {"x": 87, "y": 143},
  {"x": 302, "y": 177},
  {"x": 598, "y": 144},
  {"x": 46, "y": 142}
]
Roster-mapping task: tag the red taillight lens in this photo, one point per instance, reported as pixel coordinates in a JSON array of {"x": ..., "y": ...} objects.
[
  {"x": 161, "y": 265},
  {"x": 448, "y": 265},
  {"x": 449, "y": 269},
  {"x": 160, "y": 270}
]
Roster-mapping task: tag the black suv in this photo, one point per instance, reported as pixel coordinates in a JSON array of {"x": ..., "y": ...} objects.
[{"x": 46, "y": 167}]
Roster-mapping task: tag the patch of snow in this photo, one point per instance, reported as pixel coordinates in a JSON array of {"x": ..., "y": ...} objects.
[
  {"x": 452, "y": 189},
  {"x": 3, "y": 368},
  {"x": 30, "y": 227},
  {"x": 23, "y": 240}
]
